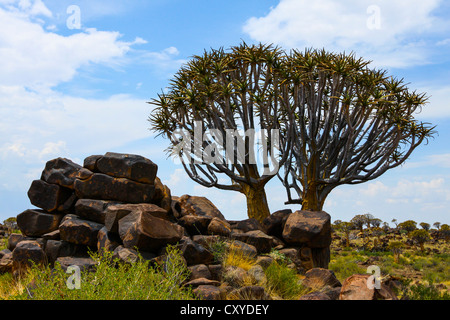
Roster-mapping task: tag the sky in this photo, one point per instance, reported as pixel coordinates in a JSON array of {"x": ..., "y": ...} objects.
[{"x": 75, "y": 77}]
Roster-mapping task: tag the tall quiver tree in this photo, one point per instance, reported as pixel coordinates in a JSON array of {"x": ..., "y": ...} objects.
[
  {"x": 238, "y": 93},
  {"x": 352, "y": 124}
]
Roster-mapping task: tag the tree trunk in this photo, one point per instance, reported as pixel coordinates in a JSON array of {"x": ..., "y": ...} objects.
[
  {"x": 311, "y": 198},
  {"x": 311, "y": 202},
  {"x": 257, "y": 206}
]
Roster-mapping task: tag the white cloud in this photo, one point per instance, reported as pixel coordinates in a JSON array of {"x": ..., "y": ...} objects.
[
  {"x": 35, "y": 58},
  {"x": 388, "y": 32}
]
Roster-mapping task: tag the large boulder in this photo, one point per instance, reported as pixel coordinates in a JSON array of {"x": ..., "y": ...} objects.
[
  {"x": 148, "y": 232},
  {"x": 90, "y": 162},
  {"x": 130, "y": 166},
  {"x": 63, "y": 172},
  {"x": 317, "y": 278},
  {"x": 26, "y": 253},
  {"x": 310, "y": 228},
  {"x": 116, "y": 212},
  {"x": 261, "y": 241},
  {"x": 105, "y": 187},
  {"x": 78, "y": 231},
  {"x": 199, "y": 206},
  {"x": 84, "y": 263},
  {"x": 107, "y": 241},
  {"x": 59, "y": 248},
  {"x": 219, "y": 227},
  {"x": 50, "y": 197},
  {"x": 163, "y": 196},
  {"x": 35, "y": 223},
  {"x": 93, "y": 210},
  {"x": 195, "y": 224},
  {"x": 274, "y": 224},
  {"x": 194, "y": 253},
  {"x": 356, "y": 287}
]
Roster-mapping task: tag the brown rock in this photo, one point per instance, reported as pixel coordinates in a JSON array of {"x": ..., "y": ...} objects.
[
  {"x": 312, "y": 228},
  {"x": 199, "y": 206},
  {"x": 246, "y": 225},
  {"x": 315, "y": 296},
  {"x": 355, "y": 288},
  {"x": 75, "y": 230},
  {"x": 318, "y": 278},
  {"x": 84, "y": 263},
  {"x": 195, "y": 224},
  {"x": 148, "y": 232},
  {"x": 14, "y": 239},
  {"x": 195, "y": 253},
  {"x": 130, "y": 166},
  {"x": 107, "y": 241},
  {"x": 63, "y": 172},
  {"x": 219, "y": 227},
  {"x": 104, "y": 187},
  {"x": 116, "y": 212},
  {"x": 274, "y": 224},
  {"x": 209, "y": 292},
  {"x": 199, "y": 271},
  {"x": 261, "y": 241},
  {"x": 35, "y": 223},
  {"x": 59, "y": 248},
  {"x": 250, "y": 293},
  {"x": 90, "y": 162},
  {"x": 27, "y": 252},
  {"x": 201, "y": 282},
  {"x": 6, "y": 263},
  {"x": 50, "y": 197},
  {"x": 93, "y": 210},
  {"x": 163, "y": 197}
]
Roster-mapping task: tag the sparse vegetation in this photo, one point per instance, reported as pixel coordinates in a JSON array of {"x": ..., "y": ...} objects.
[
  {"x": 109, "y": 281},
  {"x": 419, "y": 260}
]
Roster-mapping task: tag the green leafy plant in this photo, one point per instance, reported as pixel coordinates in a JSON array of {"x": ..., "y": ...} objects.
[{"x": 112, "y": 280}]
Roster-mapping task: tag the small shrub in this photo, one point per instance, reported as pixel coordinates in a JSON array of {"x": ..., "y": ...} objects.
[
  {"x": 283, "y": 281},
  {"x": 112, "y": 281},
  {"x": 426, "y": 292}
]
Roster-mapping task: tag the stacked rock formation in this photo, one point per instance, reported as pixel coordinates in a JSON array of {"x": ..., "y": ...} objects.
[{"x": 116, "y": 202}]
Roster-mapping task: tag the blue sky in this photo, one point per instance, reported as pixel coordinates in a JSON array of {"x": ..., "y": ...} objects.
[{"x": 75, "y": 76}]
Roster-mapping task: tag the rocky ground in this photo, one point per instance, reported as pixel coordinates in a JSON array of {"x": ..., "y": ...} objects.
[{"x": 116, "y": 202}]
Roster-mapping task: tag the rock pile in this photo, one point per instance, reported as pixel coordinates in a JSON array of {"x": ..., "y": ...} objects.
[{"x": 116, "y": 202}]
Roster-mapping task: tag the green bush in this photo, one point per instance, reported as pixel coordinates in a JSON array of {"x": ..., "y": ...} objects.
[
  {"x": 112, "y": 281},
  {"x": 283, "y": 281},
  {"x": 426, "y": 292}
]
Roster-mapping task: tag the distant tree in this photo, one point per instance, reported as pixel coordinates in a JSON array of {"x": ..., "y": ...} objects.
[
  {"x": 376, "y": 222},
  {"x": 336, "y": 223},
  {"x": 368, "y": 218},
  {"x": 346, "y": 228},
  {"x": 420, "y": 236},
  {"x": 396, "y": 248},
  {"x": 385, "y": 226},
  {"x": 394, "y": 221},
  {"x": 437, "y": 225},
  {"x": 425, "y": 226},
  {"x": 358, "y": 222},
  {"x": 408, "y": 225},
  {"x": 444, "y": 230}
]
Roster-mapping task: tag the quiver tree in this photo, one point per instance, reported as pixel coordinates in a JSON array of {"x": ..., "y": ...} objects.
[
  {"x": 351, "y": 123},
  {"x": 234, "y": 94}
]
